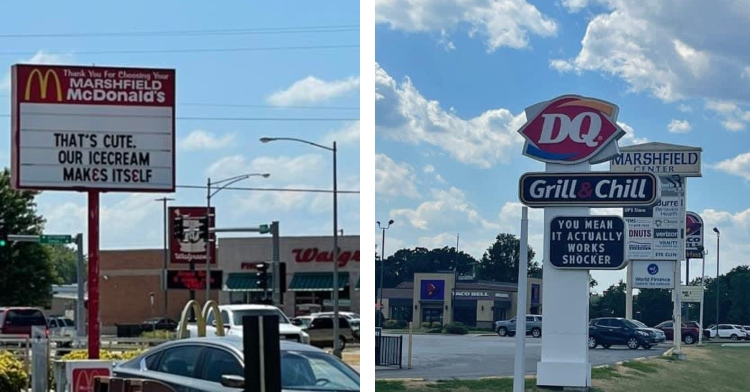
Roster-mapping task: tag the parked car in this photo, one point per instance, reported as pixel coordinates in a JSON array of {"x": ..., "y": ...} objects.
[
  {"x": 216, "y": 364},
  {"x": 302, "y": 321},
  {"x": 508, "y": 327},
  {"x": 690, "y": 330},
  {"x": 348, "y": 315},
  {"x": 62, "y": 327},
  {"x": 19, "y": 320},
  {"x": 730, "y": 331},
  {"x": 615, "y": 331},
  {"x": 158, "y": 324},
  {"x": 321, "y": 332}
]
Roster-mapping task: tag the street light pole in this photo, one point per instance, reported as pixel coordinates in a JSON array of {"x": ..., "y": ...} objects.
[
  {"x": 227, "y": 182},
  {"x": 335, "y": 292},
  {"x": 382, "y": 258},
  {"x": 718, "y": 235},
  {"x": 164, "y": 200}
]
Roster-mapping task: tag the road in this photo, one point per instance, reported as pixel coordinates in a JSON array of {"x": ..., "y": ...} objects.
[{"x": 439, "y": 357}]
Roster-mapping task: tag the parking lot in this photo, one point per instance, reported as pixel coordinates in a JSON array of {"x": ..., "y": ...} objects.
[{"x": 436, "y": 357}]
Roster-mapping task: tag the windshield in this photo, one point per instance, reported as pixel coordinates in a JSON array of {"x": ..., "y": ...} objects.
[
  {"x": 239, "y": 314},
  {"x": 312, "y": 371},
  {"x": 640, "y": 324},
  {"x": 631, "y": 323}
]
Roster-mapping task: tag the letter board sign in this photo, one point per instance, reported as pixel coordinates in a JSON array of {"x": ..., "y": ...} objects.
[
  {"x": 588, "y": 242},
  {"x": 92, "y": 128},
  {"x": 588, "y": 189}
]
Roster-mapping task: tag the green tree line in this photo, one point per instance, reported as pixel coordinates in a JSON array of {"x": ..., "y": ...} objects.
[{"x": 29, "y": 270}]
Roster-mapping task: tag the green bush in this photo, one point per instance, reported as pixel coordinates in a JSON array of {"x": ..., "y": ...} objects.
[
  {"x": 13, "y": 376},
  {"x": 455, "y": 329},
  {"x": 402, "y": 324},
  {"x": 390, "y": 323},
  {"x": 426, "y": 325},
  {"x": 436, "y": 324},
  {"x": 158, "y": 334},
  {"x": 435, "y": 330},
  {"x": 103, "y": 354}
]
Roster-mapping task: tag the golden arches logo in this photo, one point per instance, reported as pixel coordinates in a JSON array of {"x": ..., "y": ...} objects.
[
  {"x": 84, "y": 380},
  {"x": 43, "y": 81},
  {"x": 200, "y": 318}
]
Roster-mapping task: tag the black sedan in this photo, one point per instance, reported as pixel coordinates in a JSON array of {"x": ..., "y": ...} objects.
[
  {"x": 216, "y": 364},
  {"x": 159, "y": 324}
]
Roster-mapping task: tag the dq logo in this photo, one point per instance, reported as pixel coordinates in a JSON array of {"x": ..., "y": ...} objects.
[
  {"x": 43, "y": 79},
  {"x": 571, "y": 129},
  {"x": 83, "y": 379}
]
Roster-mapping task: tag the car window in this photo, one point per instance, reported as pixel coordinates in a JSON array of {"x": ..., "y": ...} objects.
[
  {"x": 603, "y": 323},
  {"x": 69, "y": 322},
  {"x": 26, "y": 317},
  {"x": 307, "y": 371},
  {"x": 667, "y": 325},
  {"x": 53, "y": 323},
  {"x": 180, "y": 361},
  {"x": 225, "y": 317},
  {"x": 220, "y": 362},
  {"x": 152, "y": 361},
  {"x": 529, "y": 319},
  {"x": 239, "y": 314}
]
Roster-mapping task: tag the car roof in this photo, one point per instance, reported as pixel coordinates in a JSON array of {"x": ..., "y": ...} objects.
[
  {"x": 247, "y": 307},
  {"x": 237, "y": 343}
]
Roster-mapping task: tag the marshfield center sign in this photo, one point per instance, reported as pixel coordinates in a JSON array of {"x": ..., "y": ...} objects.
[{"x": 93, "y": 128}]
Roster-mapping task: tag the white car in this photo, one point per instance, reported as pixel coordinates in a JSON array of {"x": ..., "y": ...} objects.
[
  {"x": 347, "y": 315},
  {"x": 730, "y": 331},
  {"x": 231, "y": 316}
]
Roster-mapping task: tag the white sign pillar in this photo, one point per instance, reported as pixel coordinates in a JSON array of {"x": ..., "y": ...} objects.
[{"x": 565, "y": 352}]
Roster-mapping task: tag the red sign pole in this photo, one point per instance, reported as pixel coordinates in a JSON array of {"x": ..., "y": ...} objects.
[{"x": 93, "y": 280}]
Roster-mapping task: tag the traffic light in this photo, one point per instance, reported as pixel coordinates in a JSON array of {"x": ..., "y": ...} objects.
[
  {"x": 262, "y": 277},
  {"x": 178, "y": 228},
  {"x": 4, "y": 235},
  {"x": 203, "y": 230}
]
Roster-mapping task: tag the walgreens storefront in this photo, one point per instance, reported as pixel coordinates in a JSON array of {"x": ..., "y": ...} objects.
[{"x": 309, "y": 271}]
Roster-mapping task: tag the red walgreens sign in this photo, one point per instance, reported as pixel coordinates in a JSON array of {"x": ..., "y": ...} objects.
[
  {"x": 572, "y": 129},
  {"x": 191, "y": 246},
  {"x": 306, "y": 255}
]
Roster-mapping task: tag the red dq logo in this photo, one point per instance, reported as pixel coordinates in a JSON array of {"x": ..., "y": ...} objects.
[{"x": 83, "y": 379}]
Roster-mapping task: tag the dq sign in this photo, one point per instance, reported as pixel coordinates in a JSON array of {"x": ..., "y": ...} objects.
[{"x": 572, "y": 129}]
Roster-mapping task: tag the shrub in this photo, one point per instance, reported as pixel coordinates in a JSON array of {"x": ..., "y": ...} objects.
[
  {"x": 390, "y": 324},
  {"x": 436, "y": 324},
  {"x": 425, "y": 325},
  {"x": 13, "y": 376},
  {"x": 455, "y": 329},
  {"x": 158, "y": 334},
  {"x": 401, "y": 324},
  {"x": 435, "y": 330},
  {"x": 103, "y": 354}
]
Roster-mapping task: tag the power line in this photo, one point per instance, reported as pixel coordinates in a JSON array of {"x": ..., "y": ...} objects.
[
  {"x": 258, "y": 119},
  {"x": 195, "y": 50},
  {"x": 267, "y": 30},
  {"x": 295, "y": 190}
]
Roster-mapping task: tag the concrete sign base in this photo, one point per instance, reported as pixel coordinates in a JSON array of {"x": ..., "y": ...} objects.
[{"x": 565, "y": 352}]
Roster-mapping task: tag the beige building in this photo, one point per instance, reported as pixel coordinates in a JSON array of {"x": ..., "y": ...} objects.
[{"x": 439, "y": 297}]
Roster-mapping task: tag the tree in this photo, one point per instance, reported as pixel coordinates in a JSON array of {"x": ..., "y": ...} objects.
[
  {"x": 27, "y": 274},
  {"x": 610, "y": 304},
  {"x": 402, "y": 265},
  {"x": 500, "y": 261},
  {"x": 653, "y": 306},
  {"x": 64, "y": 262}
]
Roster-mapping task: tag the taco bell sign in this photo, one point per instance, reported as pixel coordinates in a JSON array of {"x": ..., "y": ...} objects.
[{"x": 572, "y": 129}]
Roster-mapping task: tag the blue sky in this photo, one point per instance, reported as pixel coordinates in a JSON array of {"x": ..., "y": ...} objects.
[
  {"x": 236, "y": 82},
  {"x": 453, "y": 79}
]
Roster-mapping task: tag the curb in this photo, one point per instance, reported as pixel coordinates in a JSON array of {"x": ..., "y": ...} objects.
[
  {"x": 481, "y": 335},
  {"x": 401, "y": 379},
  {"x": 668, "y": 353}
]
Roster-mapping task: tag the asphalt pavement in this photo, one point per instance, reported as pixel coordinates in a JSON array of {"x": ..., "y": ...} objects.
[{"x": 440, "y": 357}]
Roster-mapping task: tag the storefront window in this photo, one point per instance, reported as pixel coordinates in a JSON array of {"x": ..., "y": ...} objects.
[
  {"x": 401, "y": 313},
  {"x": 432, "y": 315}
]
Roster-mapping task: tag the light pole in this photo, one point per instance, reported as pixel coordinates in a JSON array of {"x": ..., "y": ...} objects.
[
  {"x": 382, "y": 258},
  {"x": 718, "y": 235},
  {"x": 335, "y": 288},
  {"x": 226, "y": 182},
  {"x": 164, "y": 200}
]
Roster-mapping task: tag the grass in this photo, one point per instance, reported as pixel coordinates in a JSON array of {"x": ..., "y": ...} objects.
[{"x": 709, "y": 368}]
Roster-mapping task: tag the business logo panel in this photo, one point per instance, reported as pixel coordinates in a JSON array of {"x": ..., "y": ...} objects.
[
  {"x": 572, "y": 129},
  {"x": 83, "y": 379},
  {"x": 588, "y": 189},
  {"x": 653, "y": 274},
  {"x": 193, "y": 280},
  {"x": 103, "y": 128},
  {"x": 693, "y": 235},
  {"x": 191, "y": 246},
  {"x": 588, "y": 242},
  {"x": 432, "y": 290}
]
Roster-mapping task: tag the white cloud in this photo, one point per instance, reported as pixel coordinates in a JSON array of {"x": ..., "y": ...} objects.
[
  {"x": 647, "y": 45},
  {"x": 733, "y": 117},
  {"x": 685, "y": 108},
  {"x": 447, "y": 206},
  {"x": 630, "y": 137},
  {"x": 429, "y": 169},
  {"x": 679, "y": 126},
  {"x": 203, "y": 140},
  {"x": 575, "y": 5},
  {"x": 41, "y": 57},
  {"x": 738, "y": 166},
  {"x": 403, "y": 114},
  {"x": 349, "y": 133},
  {"x": 313, "y": 90},
  {"x": 282, "y": 168},
  {"x": 502, "y": 23},
  {"x": 394, "y": 179}
]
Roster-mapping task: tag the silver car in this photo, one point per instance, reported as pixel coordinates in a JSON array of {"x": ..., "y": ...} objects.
[
  {"x": 508, "y": 327},
  {"x": 216, "y": 364}
]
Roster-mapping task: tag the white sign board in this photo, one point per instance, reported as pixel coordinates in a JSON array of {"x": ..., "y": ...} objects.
[
  {"x": 658, "y": 158},
  {"x": 653, "y": 274},
  {"x": 689, "y": 294},
  {"x": 92, "y": 128},
  {"x": 657, "y": 232}
]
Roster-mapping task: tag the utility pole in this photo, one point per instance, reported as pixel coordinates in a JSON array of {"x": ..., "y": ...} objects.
[{"x": 165, "y": 266}]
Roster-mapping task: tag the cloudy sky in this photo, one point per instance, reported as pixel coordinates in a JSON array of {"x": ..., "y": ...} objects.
[
  {"x": 282, "y": 68},
  {"x": 453, "y": 79}
]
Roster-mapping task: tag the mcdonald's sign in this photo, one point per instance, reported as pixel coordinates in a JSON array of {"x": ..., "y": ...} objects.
[
  {"x": 43, "y": 85},
  {"x": 200, "y": 319},
  {"x": 83, "y": 378}
]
